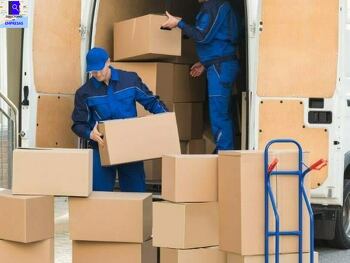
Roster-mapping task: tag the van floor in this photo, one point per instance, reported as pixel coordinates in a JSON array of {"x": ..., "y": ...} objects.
[
  {"x": 63, "y": 248},
  {"x": 63, "y": 245}
]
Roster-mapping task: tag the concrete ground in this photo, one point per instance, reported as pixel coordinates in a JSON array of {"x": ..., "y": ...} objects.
[
  {"x": 331, "y": 255},
  {"x": 63, "y": 245}
]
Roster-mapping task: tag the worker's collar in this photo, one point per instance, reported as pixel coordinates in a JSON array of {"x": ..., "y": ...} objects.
[{"x": 114, "y": 77}]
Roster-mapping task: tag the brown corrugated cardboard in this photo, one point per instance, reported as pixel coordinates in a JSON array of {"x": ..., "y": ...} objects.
[
  {"x": 200, "y": 255},
  {"x": 154, "y": 75},
  {"x": 60, "y": 172},
  {"x": 210, "y": 145},
  {"x": 142, "y": 39},
  {"x": 183, "y": 146},
  {"x": 189, "y": 118},
  {"x": 285, "y": 258},
  {"x": 26, "y": 218},
  {"x": 190, "y": 178},
  {"x": 14, "y": 252},
  {"x": 92, "y": 252},
  {"x": 185, "y": 88},
  {"x": 195, "y": 146},
  {"x": 241, "y": 201},
  {"x": 141, "y": 111},
  {"x": 287, "y": 201},
  {"x": 188, "y": 53},
  {"x": 171, "y": 82},
  {"x": 153, "y": 169},
  {"x": 111, "y": 217},
  {"x": 187, "y": 225},
  {"x": 138, "y": 139}
]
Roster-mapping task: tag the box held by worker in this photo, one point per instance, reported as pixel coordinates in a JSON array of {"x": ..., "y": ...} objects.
[{"x": 138, "y": 139}]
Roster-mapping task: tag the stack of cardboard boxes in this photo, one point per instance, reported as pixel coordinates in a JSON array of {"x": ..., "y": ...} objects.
[
  {"x": 241, "y": 202},
  {"x": 26, "y": 228},
  {"x": 163, "y": 62},
  {"x": 115, "y": 227},
  {"x": 186, "y": 225},
  {"x": 27, "y": 217},
  {"x": 112, "y": 226}
]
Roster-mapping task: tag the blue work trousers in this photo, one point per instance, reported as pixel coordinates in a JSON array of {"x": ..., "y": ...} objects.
[
  {"x": 131, "y": 176},
  {"x": 221, "y": 78}
]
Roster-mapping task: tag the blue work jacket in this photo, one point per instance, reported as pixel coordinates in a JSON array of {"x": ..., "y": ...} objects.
[{"x": 95, "y": 101}]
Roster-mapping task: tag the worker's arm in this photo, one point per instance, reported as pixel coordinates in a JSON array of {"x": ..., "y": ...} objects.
[
  {"x": 80, "y": 117},
  {"x": 207, "y": 25},
  {"x": 149, "y": 101}
]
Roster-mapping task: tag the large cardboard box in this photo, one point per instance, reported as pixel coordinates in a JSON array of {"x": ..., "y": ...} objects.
[
  {"x": 200, "y": 255},
  {"x": 195, "y": 146},
  {"x": 188, "y": 53},
  {"x": 184, "y": 226},
  {"x": 153, "y": 169},
  {"x": 190, "y": 178},
  {"x": 189, "y": 117},
  {"x": 26, "y": 218},
  {"x": 185, "y": 87},
  {"x": 111, "y": 217},
  {"x": 241, "y": 202},
  {"x": 169, "y": 81},
  {"x": 139, "y": 139},
  {"x": 285, "y": 258},
  {"x": 142, "y": 38},
  {"x": 108, "y": 252},
  {"x": 59, "y": 172},
  {"x": 14, "y": 252}
]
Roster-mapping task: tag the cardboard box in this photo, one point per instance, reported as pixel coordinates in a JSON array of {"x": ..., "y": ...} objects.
[
  {"x": 285, "y": 258},
  {"x": 14, "y": 252},
  {"x": 144, "y": 138},
  {"x": 59, "y": 172},
  {"x": 184, "y": 226},
  {"x": 188, "y": 53},
  {"x": 26, "y": 218},
  {"x": 190, "y": 178},
  {"x": 111, "y": 217},
  {"x": 153, "y": 169},
  {"x": 241, "y": 202},
  {"x": 189, "y": 117},
  {"x": 107, "y": 252},
  {"x": 202, "y": 255},
  {"x": 170, "y": 82},
  {"x": 195, "y": 146},
  {"x": 185, "y": 87},
  {"x": 142, "y": 39},
  {"x": 288, "y": 201},
  {"x": 210, "y": 145}
]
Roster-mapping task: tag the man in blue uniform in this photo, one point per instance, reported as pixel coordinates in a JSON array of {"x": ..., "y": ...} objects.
[
  {"x": 216, "y": 35},
  {"x": 111, "y": 94}
]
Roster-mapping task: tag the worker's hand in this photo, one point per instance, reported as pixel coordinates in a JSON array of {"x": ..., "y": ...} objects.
[
  {"x": 197, "y": 70},
  {"x": 96, "y": 136},
  {"x": 172, "y": 21}
]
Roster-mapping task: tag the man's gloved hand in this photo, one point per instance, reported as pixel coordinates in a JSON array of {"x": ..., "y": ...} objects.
[
  {"x": 197, "y": 70},
  {"x": 172, "y": 21},
  {"x": 96, "y": 136}
]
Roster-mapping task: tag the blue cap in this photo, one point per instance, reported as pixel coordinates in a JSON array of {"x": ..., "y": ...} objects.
[{"x": 96, "y": 59}]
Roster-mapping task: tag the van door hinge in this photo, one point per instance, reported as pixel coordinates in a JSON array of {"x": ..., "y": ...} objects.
[
  {"x": 261, "y": 26},
  {"x": 82, "y": 31}
]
